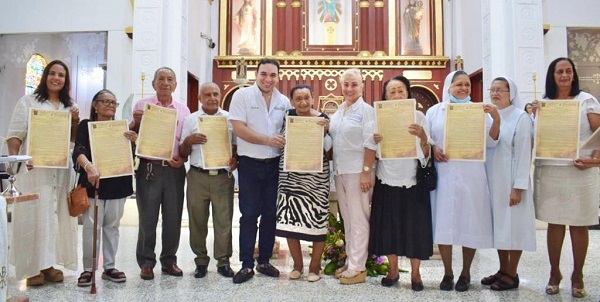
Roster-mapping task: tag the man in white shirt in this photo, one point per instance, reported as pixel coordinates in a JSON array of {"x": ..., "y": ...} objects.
[
  {"x": 256, "y": 114},
  {"x": 208, "y": 187}
]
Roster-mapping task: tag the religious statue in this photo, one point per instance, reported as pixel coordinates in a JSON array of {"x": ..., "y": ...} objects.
[
  {"x": 246, "y": 20},
  {"x": 329, "y": 12},
  {"x": 413, "y": 13}
]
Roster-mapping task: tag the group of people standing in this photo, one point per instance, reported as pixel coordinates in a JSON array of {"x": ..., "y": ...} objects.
[{"x": 385, "y": 209}]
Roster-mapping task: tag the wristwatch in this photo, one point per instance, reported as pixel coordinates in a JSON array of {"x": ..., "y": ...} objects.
[{"x": 366, "y": 169}]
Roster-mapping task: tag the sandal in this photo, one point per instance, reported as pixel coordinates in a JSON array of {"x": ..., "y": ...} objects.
[
  {"x": 501, "y": 284},
  {"x": 53, "y": 275},
  {"x": 85, "y": 279},
  {"x": 36, "y": 280},
  {"x": 489, "y": 280},
  {"x": 114, "y": 275}
]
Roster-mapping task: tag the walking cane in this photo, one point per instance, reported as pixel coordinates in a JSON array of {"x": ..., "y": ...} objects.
[{"x": 95, "y": 238}]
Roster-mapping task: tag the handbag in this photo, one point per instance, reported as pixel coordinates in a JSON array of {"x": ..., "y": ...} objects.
[
  {"x": 77, "y": 199},
  {"x": 427, "y": 176}
]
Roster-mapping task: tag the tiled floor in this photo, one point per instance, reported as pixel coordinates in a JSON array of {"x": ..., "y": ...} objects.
[{"x": 533, "y": 273}]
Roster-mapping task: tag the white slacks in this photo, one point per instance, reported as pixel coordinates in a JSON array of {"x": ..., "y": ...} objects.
[{"x": 110, "y": 212}]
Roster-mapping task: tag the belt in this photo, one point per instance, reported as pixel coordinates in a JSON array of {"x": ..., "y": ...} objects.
[
  {"x": 213, "y": 172},
  {"x": 163, "y": 163},
  {"x": 263, "y": 160}
]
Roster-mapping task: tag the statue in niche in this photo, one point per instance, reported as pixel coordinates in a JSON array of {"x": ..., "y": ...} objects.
[
  {"x": 329, "y": 12},
  {"x": 413, "y": 13},
  {"x": 246, "y": 20}
]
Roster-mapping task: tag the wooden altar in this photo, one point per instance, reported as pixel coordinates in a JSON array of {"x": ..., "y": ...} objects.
[{"x": 315, "y": 41}]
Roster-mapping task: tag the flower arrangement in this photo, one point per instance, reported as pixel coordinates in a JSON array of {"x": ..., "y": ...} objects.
[{"x": 335, "y": 251}]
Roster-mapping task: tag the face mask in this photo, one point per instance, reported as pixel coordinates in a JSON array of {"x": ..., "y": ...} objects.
[{"x": 455, "y": 100}]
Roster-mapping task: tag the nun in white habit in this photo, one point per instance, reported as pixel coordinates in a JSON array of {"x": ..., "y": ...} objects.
[
  {"x": 461, "y": 206},
  {"x": 508, "y": 168}
]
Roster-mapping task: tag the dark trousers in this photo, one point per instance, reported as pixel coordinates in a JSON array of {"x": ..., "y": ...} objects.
[
  {"x": 159, "y": 188},
  {"x": 258, "y": 197}
]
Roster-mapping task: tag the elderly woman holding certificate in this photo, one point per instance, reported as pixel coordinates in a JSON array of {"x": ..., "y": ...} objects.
[
  {"x": 461, "y": 203},
  {"x": 353, "y": 161},
  {"x": 303, "y": 197},
  {"x": 508, "y": 166},
  {"x": 566, "y": 193},
  {"x": 50, "y": 214},
  {"x": 112, "y": 192},
  {"x": 401, "y": 209}
]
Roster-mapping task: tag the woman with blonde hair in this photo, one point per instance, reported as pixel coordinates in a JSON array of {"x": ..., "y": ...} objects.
[{"x": 351, "y": 130}]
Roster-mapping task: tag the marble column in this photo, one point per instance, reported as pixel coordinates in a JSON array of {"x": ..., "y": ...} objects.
[
  {"x": 513, "y": 44},
  {"x": 160, "y": 39}
]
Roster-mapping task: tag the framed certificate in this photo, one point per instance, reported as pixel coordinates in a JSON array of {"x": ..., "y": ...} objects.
[
  {"x": 393, "y": 119},
  {"x": 111, "y": 151},
  {"x": 157, "y": 133},
  {"x": 464, "y": 134},
  {"x": 557, "y": 130},
  {"x": 303, "y": 144},
  {"x": 48, "y": 138},
  {"x": 216, "y": 152}
]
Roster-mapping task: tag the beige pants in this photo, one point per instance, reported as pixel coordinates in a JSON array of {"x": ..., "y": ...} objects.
[{"x": 354, "y": 206}]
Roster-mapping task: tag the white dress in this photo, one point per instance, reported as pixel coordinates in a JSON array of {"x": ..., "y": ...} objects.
[
  {"x": 508, "y": 166},
  {"x": 43, "y": 232},
  {"x": 461, "y": 207}
]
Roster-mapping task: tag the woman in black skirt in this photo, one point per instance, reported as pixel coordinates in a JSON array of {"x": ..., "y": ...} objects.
[{"x": 400, "y": 210}]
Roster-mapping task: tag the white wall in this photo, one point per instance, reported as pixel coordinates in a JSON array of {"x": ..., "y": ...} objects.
[
  {"x": 35, "y": 16},
  {"x": 583, "y": 13},
  {"x": 463, "y": 33}
]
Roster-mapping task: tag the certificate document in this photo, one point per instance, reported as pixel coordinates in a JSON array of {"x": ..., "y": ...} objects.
[
  {"x": 48, "y": 138},
  {"x": 157, "y": 133},
  {"x": 464, "y": 134},
  {"x": 216, "y": 152},
  {"x": 557, "y": 130},
  {"x": 393, "y": 119},
  {"x": 111, "y": 151},
  {"x": 303, "y": 144}
]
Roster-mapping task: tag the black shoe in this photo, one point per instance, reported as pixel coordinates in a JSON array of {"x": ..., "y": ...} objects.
[
  {"x": 268, "y": 269},
  {"x": 243, "y": 275},
  {"x": 462, "y": 285},
  {"x": 200, "y": 271},
  {"x": 417, "y": 286},
  {"x": 447, "y": 283},
  {"x": 225, "y": 271},
  {"x": 387, "y": 282}
]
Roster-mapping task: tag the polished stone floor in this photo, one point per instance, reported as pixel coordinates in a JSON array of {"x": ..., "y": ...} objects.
[{"x": 533, "y": 273}]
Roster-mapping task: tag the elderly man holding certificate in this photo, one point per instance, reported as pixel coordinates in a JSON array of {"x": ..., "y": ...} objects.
[
  {"x": 208, "y": 142},
  {"x": 160, "y": 176}
]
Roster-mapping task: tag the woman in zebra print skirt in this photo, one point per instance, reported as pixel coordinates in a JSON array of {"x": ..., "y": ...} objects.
[{"x": 303, "y": 198}]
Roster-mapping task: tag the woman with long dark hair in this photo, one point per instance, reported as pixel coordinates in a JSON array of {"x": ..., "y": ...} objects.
[
  {"x": 50, "y": 214},
  {"x": 567, "y": 193}
]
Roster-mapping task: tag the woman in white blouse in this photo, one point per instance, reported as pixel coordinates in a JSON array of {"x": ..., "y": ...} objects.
[
  {"x": 566, "y": 193},
  {"x": 401, "y": 209},
  {"x": 508, "y": 166},
  {"x": 351, "y": 130},
  {"x": 50, "y": 214}
]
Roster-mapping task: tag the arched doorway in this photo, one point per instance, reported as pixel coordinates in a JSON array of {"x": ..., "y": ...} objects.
[
  {"x": 424, "y": 96},
  {"x": 227, "y": 97}
]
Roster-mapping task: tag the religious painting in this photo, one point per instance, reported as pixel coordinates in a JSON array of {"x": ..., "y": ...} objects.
[
  {"x": 246, "y": 27},
  {"x": 330, "y": 25},
  {"x": 414, "y": 27}
]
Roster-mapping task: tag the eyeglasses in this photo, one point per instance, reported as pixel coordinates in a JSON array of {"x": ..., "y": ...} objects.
[
  {"x": 109, "y": 102},
  {"x": 498, "y": 90}
]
